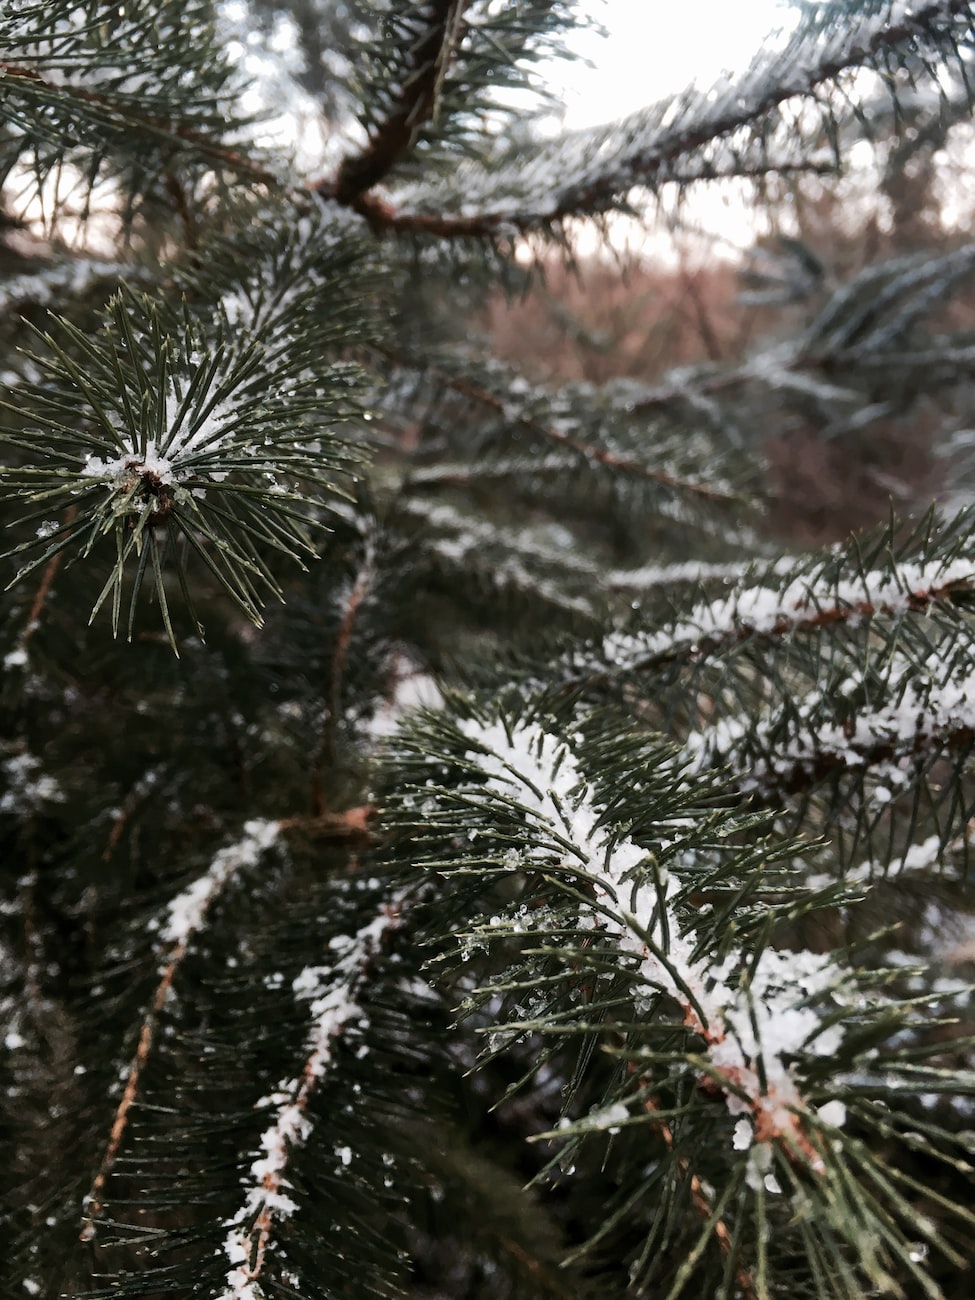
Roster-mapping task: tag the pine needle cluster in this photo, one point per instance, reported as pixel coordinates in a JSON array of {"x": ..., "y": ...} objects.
[{"x": 448, "y": 848}]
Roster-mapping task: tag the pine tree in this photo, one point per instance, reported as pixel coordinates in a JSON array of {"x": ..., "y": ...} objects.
[{"x": 448, "y": 848}]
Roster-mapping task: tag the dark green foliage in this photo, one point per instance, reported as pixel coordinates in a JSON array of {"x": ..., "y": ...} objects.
[{"x": 557, "y": 891}]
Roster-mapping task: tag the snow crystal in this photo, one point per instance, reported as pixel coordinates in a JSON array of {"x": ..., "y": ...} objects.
[{"x": 609, "y": 1117}]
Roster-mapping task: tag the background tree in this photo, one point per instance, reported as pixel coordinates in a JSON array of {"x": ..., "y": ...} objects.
[{"x": 448, "y": 848}]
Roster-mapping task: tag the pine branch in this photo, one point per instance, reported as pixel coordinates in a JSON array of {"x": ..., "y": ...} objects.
[
  {"x": 433, "y": 47},
  {"x": 512, "y": 408},
  {"x": 114, "y": 115},
  {"x": 806, "y": 605},
  {"x": 603, "y": 910},
  {"x": 593, "y": 171},
  {"x": 332, "y": 992},
  {"x": 186, "y": 917}
]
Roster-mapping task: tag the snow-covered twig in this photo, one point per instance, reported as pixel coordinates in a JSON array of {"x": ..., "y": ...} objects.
[
  {"x": 805, "y": 604},
  {"x": 751, "y": 1028},
  {"x": 333, "y": 992},
  {"x": 184, "y": 918}
]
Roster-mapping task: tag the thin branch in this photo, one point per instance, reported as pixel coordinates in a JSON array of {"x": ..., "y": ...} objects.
[
  {"x": 655, "y": 160},
  {"x": 699, "y": 1196},
  {"x": 335, "y": 994},
  {"x": 353, "y": 825},
  {"x": 415, "y": 105},
  {"x": 353, "y": 603},
  {"x": 595, "y": 455},
  {"x": 186, "y": 915},
  {"x": 44, "y": 588},
  {"x": 762, "y": 614}
]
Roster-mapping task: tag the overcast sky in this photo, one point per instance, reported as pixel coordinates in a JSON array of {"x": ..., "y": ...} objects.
[{"x": 657, "y": 47}]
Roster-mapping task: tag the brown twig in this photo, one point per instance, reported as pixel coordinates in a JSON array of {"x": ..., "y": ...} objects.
[
  {"x": 353, "y": 825},
  {"x": 415, "y": 104},
  {"x": 822, "y": 617},
  {"x": 43, "y": 591},
  {"x": 93, "y": 1202},
  {"x": 255, "y": 1238},
  {"x": 356, "y": 596},
  {"x": 625, "y": 464},
  {"x": 700, "y": 1199}
]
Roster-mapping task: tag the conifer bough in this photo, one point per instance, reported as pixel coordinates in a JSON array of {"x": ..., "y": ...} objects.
[{"x": 563, "y": 888}]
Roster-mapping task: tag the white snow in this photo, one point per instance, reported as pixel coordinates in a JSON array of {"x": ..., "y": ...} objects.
[
  {"x": 411, "y": 689},
  {"x": 921, "y": 710},
  {"x": 750, "y": 1024},
  {"x": 27, "y": 787},
  {"x": 186, "y": 913},
  {"x": 809, "y": 599},
  {"x": 333, "y": 993}
]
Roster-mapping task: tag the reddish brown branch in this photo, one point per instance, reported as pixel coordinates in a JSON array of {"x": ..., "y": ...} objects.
[
  {"x": 353, "y": 825},
  {"x": 120, "y": 114},
  {"x": 93, "y": 1202},
  {"x": 598, "y": 455},
  {"x": 807, "y": 772},
  {"x": 700, "y": 1199},
  {"x": 658, "y": 162},
  {"x": 334, "y": 705},
  {"x": 416, "y": 104},
  {"x": 820, "y": 617}
]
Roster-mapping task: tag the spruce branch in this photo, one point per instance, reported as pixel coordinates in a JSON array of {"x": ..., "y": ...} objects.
[
  {"x": 114, "y": 116},
  {"x": 172, "y": 453},
  {"x": 515, "y": 409},
  {"x": 771, "y": 1047},
  {"x": 806, "y": 605},
  {"x": 186, "y": 916},
  {"x": 422, "y": 78},
  {"x": 593, "y": 171},
  {"x": 332, "y": 993}
]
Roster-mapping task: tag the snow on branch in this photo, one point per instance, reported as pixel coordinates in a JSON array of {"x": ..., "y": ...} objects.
[
  {"x": 800, "y": 746},
  {"x": 183, "y": 919},
  {"x": 27, "y": 786},
  {"x": 592, "y": 171},
  {"x": 333, "y": 993},
  {"x": 751, "y": 1026},
  {"x": 805, "y": 604},
  {"x": 187, "y": 912}
]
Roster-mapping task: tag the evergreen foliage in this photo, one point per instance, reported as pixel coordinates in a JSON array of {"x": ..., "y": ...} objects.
[{"x": 524, "y": 879}]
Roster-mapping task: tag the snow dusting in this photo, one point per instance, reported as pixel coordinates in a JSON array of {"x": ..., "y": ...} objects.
[
  {"x": 187, "y": 911},
  {"x": 921, "y": 713},
  {"x": 806, "y": 601},
  {"x": 332, "y": 992},
  {"x": 751, "y": 1025},
  {"x": 27, "y": 786}
]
